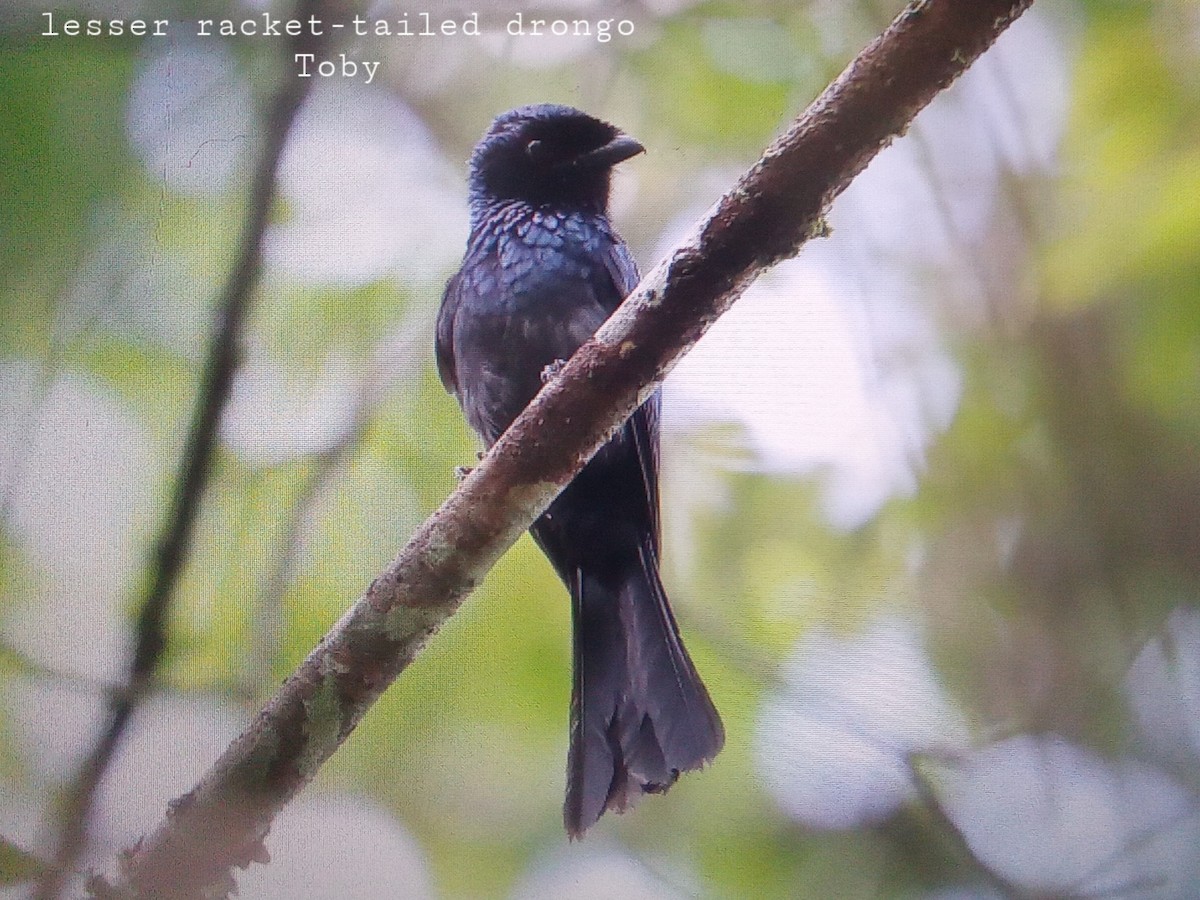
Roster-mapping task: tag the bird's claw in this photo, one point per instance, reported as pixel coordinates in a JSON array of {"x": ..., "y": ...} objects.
[
  {"x": 551, "y": 371},
  {"x": 461, "y": 472}
]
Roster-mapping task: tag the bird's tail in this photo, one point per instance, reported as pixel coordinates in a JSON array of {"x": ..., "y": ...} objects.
[{"x": 640, "y": 715}]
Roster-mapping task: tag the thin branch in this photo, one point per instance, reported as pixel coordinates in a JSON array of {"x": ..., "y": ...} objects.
[
  {"x": 763, "y": 219},
  {"x": 15, "y": 662},
  {"x": 267, "y": 609},
  {"x": 173, "y": 543}
]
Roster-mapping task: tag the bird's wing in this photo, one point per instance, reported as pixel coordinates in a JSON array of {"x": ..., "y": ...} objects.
[
  {"x": 622, "y": 270},
  {"x": 444, "y": 340},
  {"x": 642, "y": 427}
]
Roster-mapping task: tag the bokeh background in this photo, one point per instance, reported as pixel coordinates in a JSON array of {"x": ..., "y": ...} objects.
[{"x": 931, "y": 489}]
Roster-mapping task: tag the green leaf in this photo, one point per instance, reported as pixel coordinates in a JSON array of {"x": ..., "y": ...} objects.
[
  {"x": 17, "y": 865},
  {"x": 62, "y": 146},
  {"x": 699, "y": 100}
]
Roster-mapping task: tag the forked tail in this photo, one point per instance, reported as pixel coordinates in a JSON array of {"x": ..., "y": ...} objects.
[{"x": 640, "y": 715}]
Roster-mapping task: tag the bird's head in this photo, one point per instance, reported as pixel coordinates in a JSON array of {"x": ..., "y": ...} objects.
[{"x": 548, "y": 154}]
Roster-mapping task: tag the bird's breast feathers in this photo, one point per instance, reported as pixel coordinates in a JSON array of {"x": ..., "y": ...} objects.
[{"x": 534, "y": 287}]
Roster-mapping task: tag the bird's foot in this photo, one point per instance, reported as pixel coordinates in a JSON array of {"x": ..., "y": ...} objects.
[
  {"x": 461, "y": 472},
  {"x": 550, "y": 372}
]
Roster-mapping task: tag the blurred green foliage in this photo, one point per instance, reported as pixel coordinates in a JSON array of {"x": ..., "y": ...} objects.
[{"x": 16, "y": 866}]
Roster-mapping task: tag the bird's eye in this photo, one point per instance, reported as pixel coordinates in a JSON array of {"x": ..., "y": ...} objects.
[{"x": 537, "y": 151}]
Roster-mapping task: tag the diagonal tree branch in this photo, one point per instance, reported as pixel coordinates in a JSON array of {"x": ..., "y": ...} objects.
[
  {"x": 174, "y": 540},
  {"x": 763, "y": 219}
]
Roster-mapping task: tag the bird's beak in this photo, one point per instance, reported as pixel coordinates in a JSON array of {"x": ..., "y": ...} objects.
[{"x": 619, "y": 149}]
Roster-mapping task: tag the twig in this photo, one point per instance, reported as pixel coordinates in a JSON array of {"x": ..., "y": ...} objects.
[
  {"x": 15, "y": 662},
  {"x": 267, "y": 615},
  {"x": 171, "y": 548},
  {"x": 763, "y": 219}
]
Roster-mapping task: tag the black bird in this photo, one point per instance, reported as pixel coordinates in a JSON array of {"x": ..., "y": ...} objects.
[{"x": 542, "y": 271}]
